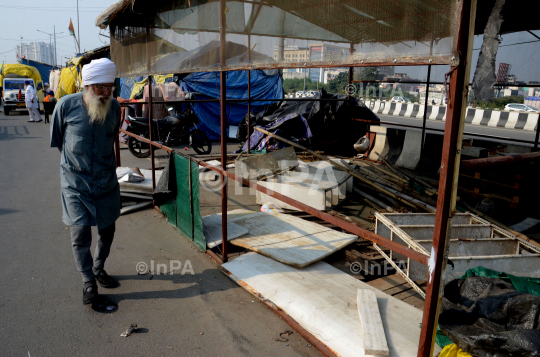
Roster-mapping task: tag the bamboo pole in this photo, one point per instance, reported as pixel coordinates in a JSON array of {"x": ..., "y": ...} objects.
[{"x": 377, "y": 202}]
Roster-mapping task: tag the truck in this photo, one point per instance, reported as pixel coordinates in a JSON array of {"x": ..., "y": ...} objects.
[
  {"x": 12, "y": 77},
  {"x": 13, "y": 92}
]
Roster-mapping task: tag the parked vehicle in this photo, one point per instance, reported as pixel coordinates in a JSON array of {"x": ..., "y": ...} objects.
[
  {"x": 300, "y": 93},
  {"x": 516, "y": 107},
  {"x": 12, "y": 88},
  {"x": 400, "y": 100},
  {"x": 170, "y": 131}
]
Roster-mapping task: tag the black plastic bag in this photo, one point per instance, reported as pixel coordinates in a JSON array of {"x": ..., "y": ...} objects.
[{"x": 489, "y": 317}]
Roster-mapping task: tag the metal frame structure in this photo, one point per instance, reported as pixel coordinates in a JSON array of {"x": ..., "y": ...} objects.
[{"x": 453, "y": 135}]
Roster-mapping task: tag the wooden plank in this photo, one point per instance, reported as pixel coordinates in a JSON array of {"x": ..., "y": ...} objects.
[
  {"x": 370, "y": 317},
  {"x": 387, "y": 282},
  {"x": 398, "y": 289},
  {"x": 323, "y": 300},
  {"x": 290, "y": 240},
  {"x": 415, "y": 300}
]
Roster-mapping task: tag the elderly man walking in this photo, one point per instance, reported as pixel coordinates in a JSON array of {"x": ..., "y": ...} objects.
[
  {"x": 84, "y": 127},
  {"x": 31, "y": 100}
]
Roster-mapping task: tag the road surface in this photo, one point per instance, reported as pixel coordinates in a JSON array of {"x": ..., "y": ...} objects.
[{"x": 205, "y": 314}]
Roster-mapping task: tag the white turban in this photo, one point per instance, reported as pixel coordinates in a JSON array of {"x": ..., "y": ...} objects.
[{"x": 98, "y": 71}]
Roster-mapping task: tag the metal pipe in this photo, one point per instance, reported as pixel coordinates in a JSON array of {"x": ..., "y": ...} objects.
[
  {"x": 249, "y": 96},
  {"x": 249, "y": 114},
  {"x": 223, "y": 114},
  {"x": 537, "y": 134},
  {"x": 150, "y": 112},
  {"x": 375, "y": 200},
  {"x": 349, "y": 82},
  {"x": 150, "y": 132},
  {"x": 499, "y": 160},
  {"x": 449, "y": 171},
  {"x": 425, "y": 112},
  {"x": 144, "y": 140},
  {"x": 419, "y": 203},
  {"x": 117, "y": 150}
]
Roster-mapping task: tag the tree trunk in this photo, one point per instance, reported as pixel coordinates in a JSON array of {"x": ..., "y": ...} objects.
[{"x": 484, "y": 75}]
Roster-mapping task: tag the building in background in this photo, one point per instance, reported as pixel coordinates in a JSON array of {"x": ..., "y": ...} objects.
[
  {"x": 293, "y": 54},
  {"x": 322, "y": 52},
  {"x": 36, "y": 51},
  {"x": 385, "y": 71},
  {"x": 502, "y": 72}
]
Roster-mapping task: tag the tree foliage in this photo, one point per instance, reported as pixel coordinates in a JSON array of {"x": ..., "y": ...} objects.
[
  {"x": 368, "y": 74},
  {"x": 294, "y": 85},
  {"x": 338, "y": 84}
]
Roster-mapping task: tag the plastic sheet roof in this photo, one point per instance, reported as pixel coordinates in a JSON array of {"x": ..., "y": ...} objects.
[{"x": 347, "y": 31}]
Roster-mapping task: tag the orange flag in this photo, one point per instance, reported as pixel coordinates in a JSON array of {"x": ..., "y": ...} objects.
[{"x": 71, "y": 28}]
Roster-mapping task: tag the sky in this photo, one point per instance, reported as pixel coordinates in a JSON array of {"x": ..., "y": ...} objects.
[{"x": 25, "y": 20}]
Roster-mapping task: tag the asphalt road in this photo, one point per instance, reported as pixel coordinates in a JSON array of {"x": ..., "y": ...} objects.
[
  {"x": 41, "y": 312},
  {"x": 497, "y": 134}
]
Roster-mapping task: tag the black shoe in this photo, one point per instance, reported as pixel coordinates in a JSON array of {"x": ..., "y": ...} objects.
[
  {"x": 90, "y": 292},
  {"x": 104, "y": 279}
]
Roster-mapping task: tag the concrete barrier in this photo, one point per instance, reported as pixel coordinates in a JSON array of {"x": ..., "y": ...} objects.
[
  {"x": 412, "y": 148},
  {"x": 493, "y": 118},
  {"x": 388, "y": 143}
]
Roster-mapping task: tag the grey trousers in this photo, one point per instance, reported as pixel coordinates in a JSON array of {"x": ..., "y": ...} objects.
[{"x": 81, "y": 239}]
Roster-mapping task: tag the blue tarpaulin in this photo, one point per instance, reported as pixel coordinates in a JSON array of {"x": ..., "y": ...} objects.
[
  {"x": 126, "y": 86},
  {"x": 43, "y": 69},
  {"x": 265, "y": 84}
]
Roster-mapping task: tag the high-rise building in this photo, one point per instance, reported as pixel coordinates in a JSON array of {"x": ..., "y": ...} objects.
[
  {"x": 36, "y": 51},
  {"x": 322, "y": 52}
]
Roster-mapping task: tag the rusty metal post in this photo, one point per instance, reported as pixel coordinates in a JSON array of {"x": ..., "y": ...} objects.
[
  {"x": 535, "y": 148},
  {"x": 149, "y": 70},
  {"x": 117, "y": 150},
  {"x": 349, "y": 82},
  {"x": 223, "y": 107},
  {"x": 249, "y": 96},
  {"x": 150, "y": 132},
  {"x": 425, "y": 111},
  {"x": 449, "y": 173}
]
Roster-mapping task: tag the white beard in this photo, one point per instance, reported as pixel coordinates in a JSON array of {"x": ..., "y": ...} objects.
[{"x": 96, "y": 109}]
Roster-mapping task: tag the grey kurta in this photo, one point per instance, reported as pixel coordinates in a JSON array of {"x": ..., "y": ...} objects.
[{"x": 90, "y": 190}]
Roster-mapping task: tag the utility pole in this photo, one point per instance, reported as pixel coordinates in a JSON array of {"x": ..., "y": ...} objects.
[
  {"x": 78, "y": 27},
  {"x": 54, "y": 29}
]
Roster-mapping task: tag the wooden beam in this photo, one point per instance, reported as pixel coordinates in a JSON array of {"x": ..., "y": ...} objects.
[{"x": 370, "y": 317}]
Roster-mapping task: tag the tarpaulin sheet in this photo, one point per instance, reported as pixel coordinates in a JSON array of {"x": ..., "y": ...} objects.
[
  {"x": 131, "y": 87},
  {"x": 331, "y": 121},
  {"x": 127, "y": 84},
  {"x": 69, "y": 77},
  {"x": 43, "y": 69},
  {"x": 21, "y": 70},
  {"x": 264, "y": 85},
  {"x": 489, "y": 317}
]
